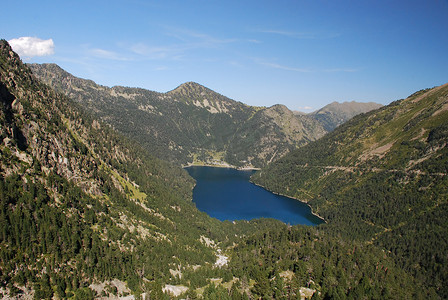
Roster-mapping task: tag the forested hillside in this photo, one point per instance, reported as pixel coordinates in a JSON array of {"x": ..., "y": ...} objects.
[
  {"x": 381, "y": 178},
  {"x": 190, "y": 123},
  {"x": 81, "y": 204},
  {"x": 85, "y": 213}
]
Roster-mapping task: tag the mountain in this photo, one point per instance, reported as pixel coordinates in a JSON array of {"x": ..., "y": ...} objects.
[
  {"x": 335, "y": 113},
  {"x": 381, "y": 178},
  {"x": 190, "y": 123},
  {"x": 86, "y": 213},
  {"x": 82, "y": 207}
]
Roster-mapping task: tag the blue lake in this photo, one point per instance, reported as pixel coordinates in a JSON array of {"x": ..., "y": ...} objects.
[{"x": 227, "y": 194}]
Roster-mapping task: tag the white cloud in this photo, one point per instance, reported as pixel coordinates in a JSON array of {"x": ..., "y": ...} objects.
[
  {"x": 106, "y": 54},
  {"x": 198, "y": 39},
  {"x": 289, "y": 33},
  {"x": 29, "y": 47},
  {"x": 281, "y": 67},
  {"x": 301, "y": 70},
  {"x": 287, "y": 68},
  {"x": 305, "y": 109},
  {"x": 347, "y": 70},
  {"x": 302, "y": 35},
  {"x": 101, "y": 53},
  {"x": 161, "y": 68},
  {"x": 155, "y": 52}
]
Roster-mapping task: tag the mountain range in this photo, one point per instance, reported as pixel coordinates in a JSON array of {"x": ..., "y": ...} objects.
[
  {"x": 87, "y": 212},
  {"x": 193, "y": 124}
]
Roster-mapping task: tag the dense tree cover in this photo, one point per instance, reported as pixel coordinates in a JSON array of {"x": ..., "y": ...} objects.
[
  {"x": 80, "y": 204},
  {"x": 38, "y": 235},
  {"x": 381, "y": 178},
  {"x": 333, "y": 266}
]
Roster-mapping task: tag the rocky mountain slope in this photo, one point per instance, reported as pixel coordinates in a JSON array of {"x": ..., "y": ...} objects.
[
  {"x": 79, "y": 203},
  {"x": 335, "y": 113},
  {"x": 88, "y": 214},
  {"x": 381, "y": 178},
  {"x": 193, "y": 122}
]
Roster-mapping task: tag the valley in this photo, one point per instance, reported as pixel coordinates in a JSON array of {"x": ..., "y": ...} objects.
[{"x": 95, "y": 204}]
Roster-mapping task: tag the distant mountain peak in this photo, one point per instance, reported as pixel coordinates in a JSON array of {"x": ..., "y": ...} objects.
[
  {"x": 349, "y": 106},
  {"x": 336, "y": 113}
]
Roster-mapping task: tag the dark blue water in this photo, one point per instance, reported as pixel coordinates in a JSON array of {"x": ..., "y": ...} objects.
[{"x": 227, "y": 194}]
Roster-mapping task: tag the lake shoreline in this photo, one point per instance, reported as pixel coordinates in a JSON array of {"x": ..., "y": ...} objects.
[
  {"x": 318, "y": 219},
  {"x": 311, "y": 208},
  {"x": 221, "y": 165}
]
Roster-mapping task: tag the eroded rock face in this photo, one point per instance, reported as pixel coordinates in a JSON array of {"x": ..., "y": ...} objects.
[{"x": 39, "y": 135}]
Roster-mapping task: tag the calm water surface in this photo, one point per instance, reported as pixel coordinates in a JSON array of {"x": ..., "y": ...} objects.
[{"x": 227, "y": 194}]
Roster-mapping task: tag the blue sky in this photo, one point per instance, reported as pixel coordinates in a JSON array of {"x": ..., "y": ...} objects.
[{"x": 304, "y": 54}]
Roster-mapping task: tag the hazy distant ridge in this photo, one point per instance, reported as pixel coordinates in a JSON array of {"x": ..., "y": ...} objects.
[{"x": 335, "y": 113}]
